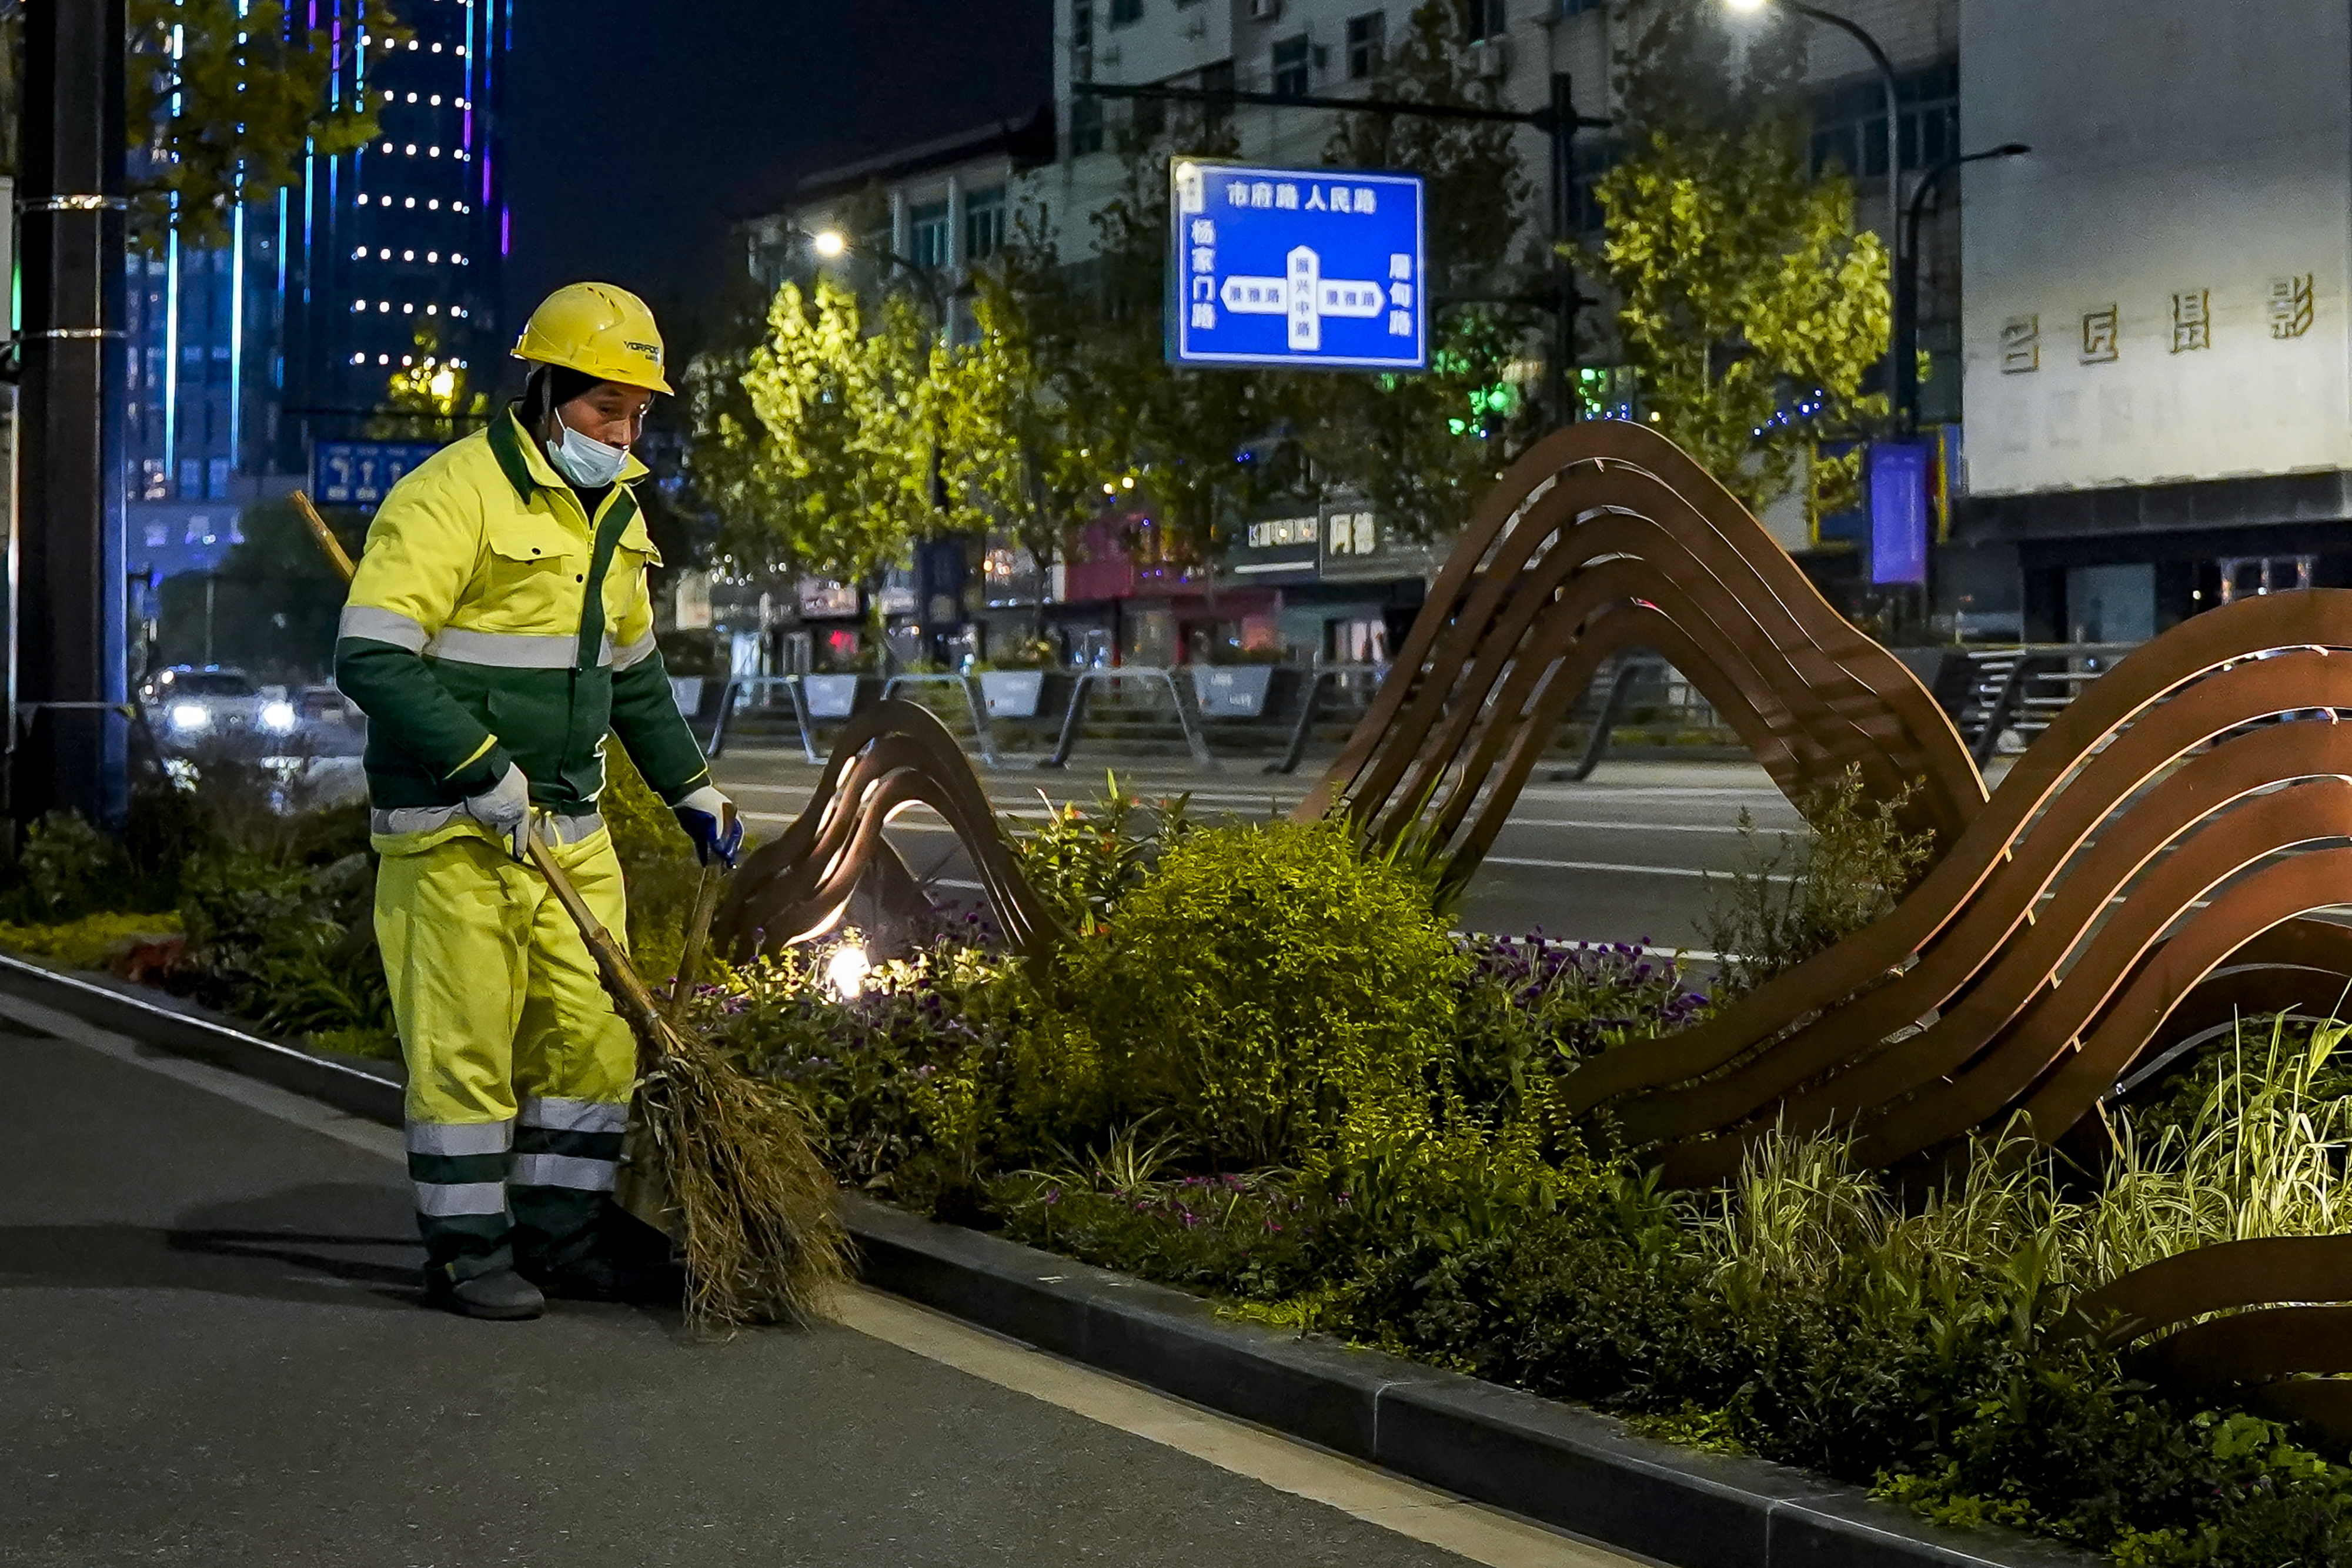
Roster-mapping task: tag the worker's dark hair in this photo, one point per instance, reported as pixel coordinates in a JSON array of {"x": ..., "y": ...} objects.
[{"x": 549, "y": 386}]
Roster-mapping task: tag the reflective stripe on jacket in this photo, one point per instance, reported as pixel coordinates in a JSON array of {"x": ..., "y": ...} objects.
[{"x": 492, "y": 620}]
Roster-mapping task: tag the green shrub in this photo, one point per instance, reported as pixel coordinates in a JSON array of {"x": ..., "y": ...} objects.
[
  {"x": 1856, "y": 866},
  {"x": 1268, "y": 986},
  {"x": 67, "y": 869},
  {"x": 291, "y": 947},
  {"x": 657, "y": 864},
  {"x": 92, "y": 942},
  {"x": 1255, "y": 1237},
  {"x": 1083, "y": 860}
]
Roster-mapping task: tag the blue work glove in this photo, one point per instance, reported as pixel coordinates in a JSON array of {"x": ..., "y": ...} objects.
[
  {"x": 709, "y": 819},
  {"x": 505, "y": 808}
]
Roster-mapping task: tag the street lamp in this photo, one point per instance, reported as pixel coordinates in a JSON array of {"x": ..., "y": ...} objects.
[
  {"x": 1907, "y": 286},
  {"x": 833, "y": 243},
  {"x": 1893, "y": 83}
]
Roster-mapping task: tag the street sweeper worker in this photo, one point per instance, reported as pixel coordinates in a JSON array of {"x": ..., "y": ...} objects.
[{"x": 499, "y": 632}]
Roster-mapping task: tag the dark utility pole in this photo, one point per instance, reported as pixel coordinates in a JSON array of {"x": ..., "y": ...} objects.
[
  {"x": 1558, "y": 120},
  {"x": 70, "y": 727}
]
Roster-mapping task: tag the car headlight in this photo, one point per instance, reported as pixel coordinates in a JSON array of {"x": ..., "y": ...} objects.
[
  {"x": 191, "y": 715},
  {"x": 278, "y": 718}
]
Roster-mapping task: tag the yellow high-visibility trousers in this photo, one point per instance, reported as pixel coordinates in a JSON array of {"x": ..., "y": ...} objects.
[{"x": 519, "y": 1071}]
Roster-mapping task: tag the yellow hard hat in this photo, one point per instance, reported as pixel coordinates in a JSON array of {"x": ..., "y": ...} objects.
[{"x": 599, "y": 331}]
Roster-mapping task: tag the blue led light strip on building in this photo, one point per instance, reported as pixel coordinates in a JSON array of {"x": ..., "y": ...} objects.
[
  {"x": 236, "y": 327},
  {"x": 171, "y": 315},
  {"x": 172, "y": 346}
]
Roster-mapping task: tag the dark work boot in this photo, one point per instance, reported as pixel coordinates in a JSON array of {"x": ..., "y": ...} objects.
[
  {"x": 581, "y": 1247},
  {"x": 501, "y": 1295}
]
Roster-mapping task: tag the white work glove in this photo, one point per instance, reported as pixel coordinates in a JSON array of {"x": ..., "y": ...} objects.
[
  {"x": 505, "y": 808},
  {"x": 709, "y": 819}
]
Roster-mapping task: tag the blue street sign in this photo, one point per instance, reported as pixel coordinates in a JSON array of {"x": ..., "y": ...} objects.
[
  {"x": 360, "y": 473},
  {"x": 1297, "y": 269}
]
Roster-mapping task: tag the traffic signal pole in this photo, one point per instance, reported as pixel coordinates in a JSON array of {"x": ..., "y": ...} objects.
[
  {"x": 1558, "y": 120},
  {"x": 69, "y": 729}
]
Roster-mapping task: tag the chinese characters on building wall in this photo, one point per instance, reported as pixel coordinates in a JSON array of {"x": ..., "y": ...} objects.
[{"x": 2289, "y": 312}]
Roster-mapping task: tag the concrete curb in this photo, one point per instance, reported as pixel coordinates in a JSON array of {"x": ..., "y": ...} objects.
[
  {"x": 358, "y": 1087},
  {"x": 1559, "y": 1463}
]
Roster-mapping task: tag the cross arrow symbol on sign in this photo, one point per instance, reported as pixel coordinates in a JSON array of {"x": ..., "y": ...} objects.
[{"x": 1304, "y": 296}]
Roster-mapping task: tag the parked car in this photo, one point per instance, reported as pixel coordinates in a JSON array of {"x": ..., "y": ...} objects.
[{"x": 187, "y": 704}]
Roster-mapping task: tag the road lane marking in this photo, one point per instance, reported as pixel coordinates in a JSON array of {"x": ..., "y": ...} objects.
[
  {"x": 1633, "y": 827},
  {"x": 1600, "y": 866},
  {"x": 1362, "y": 1491},
  {"x": 1610, "y": 866},
  {"x": 1528, "y": 862},
  {"x": 1037, "y": 814}
]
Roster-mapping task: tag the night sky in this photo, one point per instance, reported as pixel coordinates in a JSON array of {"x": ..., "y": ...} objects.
[{"x": 639, "y": 129}]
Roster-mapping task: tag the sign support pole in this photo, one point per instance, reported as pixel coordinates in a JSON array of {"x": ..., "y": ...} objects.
[{"x": 1563, "y": 276}]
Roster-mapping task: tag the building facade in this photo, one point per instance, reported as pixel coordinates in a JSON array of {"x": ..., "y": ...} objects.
[
  {"x": 924, "y": 215},
  {"x": 241, "y": 354},
  {"x": 2158, "y": 310}
]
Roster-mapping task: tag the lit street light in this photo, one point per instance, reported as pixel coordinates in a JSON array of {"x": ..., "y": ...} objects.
[{"x": 831, "y": 243}]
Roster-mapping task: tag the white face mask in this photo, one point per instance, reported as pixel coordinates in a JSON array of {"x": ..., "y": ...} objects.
[{"x": 584, "y": 460}]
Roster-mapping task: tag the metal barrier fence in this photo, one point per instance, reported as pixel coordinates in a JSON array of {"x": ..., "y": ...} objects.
[
  {"x": 1145, "y": 674},
  {"x": 974, "y": 699},
  {"x": 1310, "y": 705},
  {"x": 1993, "y": 691},
  {"x": 738, "y": 685}
]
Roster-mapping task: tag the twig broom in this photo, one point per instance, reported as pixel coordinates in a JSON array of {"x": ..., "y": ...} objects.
[{"x": 747, "y": 1199}]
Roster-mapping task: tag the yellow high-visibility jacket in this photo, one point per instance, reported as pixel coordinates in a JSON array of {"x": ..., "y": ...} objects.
[{"x": 493, "y": 620}]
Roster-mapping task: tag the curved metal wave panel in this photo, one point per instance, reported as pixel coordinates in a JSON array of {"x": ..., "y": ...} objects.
[
  {"x": 2146, "y": 866},
  {"x": 893, "y": 756},
  {"x": 1605, "y": 535},
  {"x": 2286, "y": 1331}
]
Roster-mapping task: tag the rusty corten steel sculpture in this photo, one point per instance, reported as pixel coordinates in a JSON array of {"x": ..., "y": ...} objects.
[
  {"x": 1604, "y": 537},
  {"x": 2144, "y": 869},
  {"x": 893, "y": 756},
  {"x": 2283, "y": 1295}
]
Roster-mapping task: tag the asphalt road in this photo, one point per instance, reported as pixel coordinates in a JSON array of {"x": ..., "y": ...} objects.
[
  {"x": 1622, "y": 857},
  {"x": 212, "y": 1352}
]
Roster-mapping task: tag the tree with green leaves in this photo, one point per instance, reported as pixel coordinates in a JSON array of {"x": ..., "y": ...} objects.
[
  {"x": 1747, "y": 307},
  {"x": 1422, "y": 449},
  {"x": 832, "y": 471},
  {"x": 225, "y": 97},
  {"x": 1016, "y": 446},
  {"x": 434, "y": 398}
]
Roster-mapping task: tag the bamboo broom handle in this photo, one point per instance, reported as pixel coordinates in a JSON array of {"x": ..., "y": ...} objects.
[
  {"x": 620, "y": 978},
  {"x": 698, "y": 941},
  {"x": 336, "y": 554}
]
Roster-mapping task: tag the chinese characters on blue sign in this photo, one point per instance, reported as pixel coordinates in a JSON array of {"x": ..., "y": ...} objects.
[
  {"x": 1297, "y": 268},
  {"x": 361, "y": 473}
]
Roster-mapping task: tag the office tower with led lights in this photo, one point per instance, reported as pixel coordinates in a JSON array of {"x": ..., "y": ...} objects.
[
  {"x": 406, "y": 235},
  {"x": 242, "y": 355}
]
